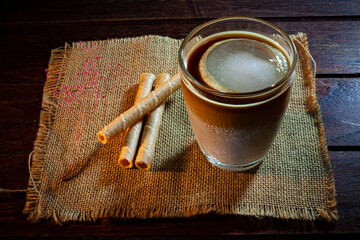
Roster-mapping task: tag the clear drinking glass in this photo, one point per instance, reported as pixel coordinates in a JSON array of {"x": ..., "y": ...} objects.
[{"x": 235, "y": 130}]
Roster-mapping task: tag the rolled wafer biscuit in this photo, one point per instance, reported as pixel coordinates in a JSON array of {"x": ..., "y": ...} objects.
[
  {"x": 140, "y": 109},
  {"x": 150, "y": 134},
  {"x": 128, "y": 151}
]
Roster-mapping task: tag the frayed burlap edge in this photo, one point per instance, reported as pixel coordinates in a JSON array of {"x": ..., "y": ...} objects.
[
  {"x": 58, "y": 60},
  {"x": 257, "y": 211},
  {"x": 301, "y": 43}
]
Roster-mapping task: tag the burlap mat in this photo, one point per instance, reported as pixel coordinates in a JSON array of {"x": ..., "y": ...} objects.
[{"x": 91, "y": 83}]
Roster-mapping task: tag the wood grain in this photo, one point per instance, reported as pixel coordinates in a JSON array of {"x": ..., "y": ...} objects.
[
  {"x": 19, "y": 117},
  {"x": 83, "y": 10},
  {"x": 32, "y": 28},
  {"x": 339, "y": 100},
  {"x": 334, "y": 45},
  {"x": 346, "y": 171}
]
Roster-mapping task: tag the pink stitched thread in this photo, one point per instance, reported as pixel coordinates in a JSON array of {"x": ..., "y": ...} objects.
[{"x": 87, "y": 82}]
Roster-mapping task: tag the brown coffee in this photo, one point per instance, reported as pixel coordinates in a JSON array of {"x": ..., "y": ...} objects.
[{"x": 241, "y": 129}]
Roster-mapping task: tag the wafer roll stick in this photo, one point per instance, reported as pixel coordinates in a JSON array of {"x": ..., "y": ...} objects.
[
  {"x": 140, "y": 109},
  {"x": 127, "y": 154},
  {"x": 151, "y": 131}
]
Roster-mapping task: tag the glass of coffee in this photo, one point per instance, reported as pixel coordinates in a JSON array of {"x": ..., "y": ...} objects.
[{"x": 236, "y": 75}]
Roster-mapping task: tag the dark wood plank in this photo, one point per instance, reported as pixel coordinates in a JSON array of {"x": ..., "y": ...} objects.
[
  {"x": 348, "y": 195},
  {"x": 19, "y": 117},
  {"x": 334, "y": 45},
  {"x": 270, "y": 8},
  {"x": 330, "y": 44},
  {"x": 83, "y": 10},
  {"x": 339, "y": 100},
  {"x": 346, "y": 171}
]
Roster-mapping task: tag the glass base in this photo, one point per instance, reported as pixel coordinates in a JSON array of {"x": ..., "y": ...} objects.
[{"x": 233, "y": 167}]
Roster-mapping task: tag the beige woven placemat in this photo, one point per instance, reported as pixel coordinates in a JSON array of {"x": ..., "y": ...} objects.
[{"x": 89, "y": 84}]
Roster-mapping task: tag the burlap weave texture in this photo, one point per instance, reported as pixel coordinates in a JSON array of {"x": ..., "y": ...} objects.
[{"x": 89, "y": 84}]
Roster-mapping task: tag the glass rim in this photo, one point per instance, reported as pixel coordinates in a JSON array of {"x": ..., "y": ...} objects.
[{"x": 237, "y": 94}]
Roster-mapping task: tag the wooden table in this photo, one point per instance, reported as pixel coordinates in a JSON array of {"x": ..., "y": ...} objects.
[{"x": 30, "y": 29}]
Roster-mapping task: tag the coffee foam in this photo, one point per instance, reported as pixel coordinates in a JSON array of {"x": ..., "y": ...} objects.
[{"x": 242, "y": 65}]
